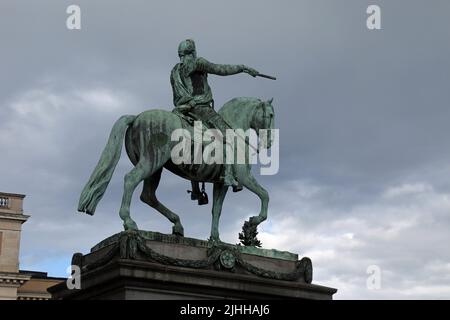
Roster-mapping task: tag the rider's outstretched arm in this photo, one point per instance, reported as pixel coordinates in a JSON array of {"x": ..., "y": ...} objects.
[{"x": 223, "y": 69}]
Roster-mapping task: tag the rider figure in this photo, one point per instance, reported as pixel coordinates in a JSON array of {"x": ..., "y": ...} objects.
[{"x": 192, "y": 93}]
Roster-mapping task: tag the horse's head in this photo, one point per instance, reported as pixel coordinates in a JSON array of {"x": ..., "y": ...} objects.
[{"x": 263, "y": 123}]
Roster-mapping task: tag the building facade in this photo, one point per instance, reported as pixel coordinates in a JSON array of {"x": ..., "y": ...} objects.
[{"x": 15, "y": 283}]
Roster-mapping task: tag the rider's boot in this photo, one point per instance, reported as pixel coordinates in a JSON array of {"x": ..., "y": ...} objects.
[{"x": 195, "y": 193}]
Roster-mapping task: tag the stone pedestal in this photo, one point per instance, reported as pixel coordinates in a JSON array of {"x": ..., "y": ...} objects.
[{"x": 150, "y": 265}]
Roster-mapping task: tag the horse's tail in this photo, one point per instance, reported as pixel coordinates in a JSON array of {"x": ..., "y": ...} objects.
[{"x": 98, "y": 182}]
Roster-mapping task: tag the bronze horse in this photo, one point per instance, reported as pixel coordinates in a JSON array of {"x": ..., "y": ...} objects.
[{"x": 148, "y": 145}]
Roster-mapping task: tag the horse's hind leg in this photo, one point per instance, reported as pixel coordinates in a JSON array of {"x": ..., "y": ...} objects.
[
  {"x": 148, "y": 196},
  {"x": 141, "y": 171}
]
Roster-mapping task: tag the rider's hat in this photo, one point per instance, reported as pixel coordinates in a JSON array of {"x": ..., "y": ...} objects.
[{"x": 186, "y": 47}]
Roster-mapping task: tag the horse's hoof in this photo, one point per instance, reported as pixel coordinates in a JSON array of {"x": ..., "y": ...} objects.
[
  {"x": 215, "y": 239},
  {"x": 253, "y": 221},
  {"x": 130, "y": 225},
  {"x": 178, "y": 231}
]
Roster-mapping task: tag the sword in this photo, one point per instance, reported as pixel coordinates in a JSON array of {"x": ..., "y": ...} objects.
[{"x": 266, "y": 76}]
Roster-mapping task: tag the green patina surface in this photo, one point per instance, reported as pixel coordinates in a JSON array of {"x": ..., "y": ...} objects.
[
  {"x": 169, "y": 238},
  {"x": 149, "y": 146}
]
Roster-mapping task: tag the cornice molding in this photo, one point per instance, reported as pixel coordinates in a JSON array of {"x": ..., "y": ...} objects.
[
  {"x": 14, "y": 216},
  {"x": 9, "y": 279},
  {"x": 15, "y": 195}
]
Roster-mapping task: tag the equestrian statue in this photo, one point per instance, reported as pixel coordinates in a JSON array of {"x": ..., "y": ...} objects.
[{"x": 149, "y": 146}]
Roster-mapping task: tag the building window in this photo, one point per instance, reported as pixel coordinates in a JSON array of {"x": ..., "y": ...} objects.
[{"x": 4, "y": 202}]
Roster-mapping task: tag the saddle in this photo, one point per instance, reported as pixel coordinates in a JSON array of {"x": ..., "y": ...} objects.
[{"x": 187, "y": 123}]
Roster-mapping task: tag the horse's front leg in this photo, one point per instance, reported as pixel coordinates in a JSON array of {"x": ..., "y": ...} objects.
[
  {"x": 263, "y": 195},
  {"x": 247, "y": 180},
  {"x": 219, "y": 193}
]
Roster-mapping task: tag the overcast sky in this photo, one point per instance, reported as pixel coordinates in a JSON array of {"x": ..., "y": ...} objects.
[{"x": 363, "y": 116}]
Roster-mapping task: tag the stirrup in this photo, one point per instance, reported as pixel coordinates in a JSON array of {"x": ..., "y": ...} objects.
[
  {"x": 203, "y": 196},
  {"x": 203, "y": 199}
]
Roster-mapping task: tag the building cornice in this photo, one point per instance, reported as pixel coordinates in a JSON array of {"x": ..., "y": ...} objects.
[
  {"x": 14, "y": 216},
  {"x": 16, "y": 195},
  {"x": 33, "y": 296},
  {"x": 11, "y": 279}
]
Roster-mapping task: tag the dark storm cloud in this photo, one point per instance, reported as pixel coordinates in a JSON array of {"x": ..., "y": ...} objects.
[{"x": 361, "y": 113}]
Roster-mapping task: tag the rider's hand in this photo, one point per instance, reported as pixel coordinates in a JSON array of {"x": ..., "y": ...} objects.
[{"x": 251, "y": 71}]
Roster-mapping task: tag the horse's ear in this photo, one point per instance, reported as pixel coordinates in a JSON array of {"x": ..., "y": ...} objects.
[{"x": 270, "y": 100}]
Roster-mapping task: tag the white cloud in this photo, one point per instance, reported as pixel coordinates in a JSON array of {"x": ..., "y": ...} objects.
[
  {"x": 44, "y": 122},
  {"x": 391, "y": 234},
  {"x": 102, "y": 99},
  {"x": 407, "y": 190}
]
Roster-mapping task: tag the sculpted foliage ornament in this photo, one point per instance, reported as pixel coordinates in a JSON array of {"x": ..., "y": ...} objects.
[{"x": 132, "y": 245}]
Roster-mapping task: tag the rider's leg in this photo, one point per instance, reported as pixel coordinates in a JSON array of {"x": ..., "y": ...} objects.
[
  {"x": 228, "y": 176},
  {"x": 229, "y": 179},
  {"x": 197, "y": 194},
  {"x": 228, "y": 172}
]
